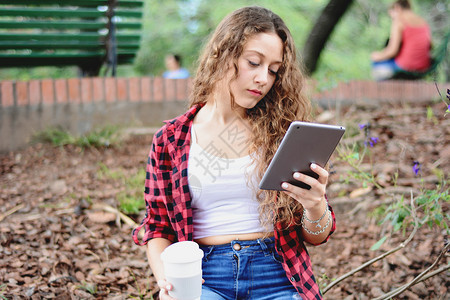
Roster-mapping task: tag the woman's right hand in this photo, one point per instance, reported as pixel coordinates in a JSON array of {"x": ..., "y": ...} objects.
[{"x": 164, "y": 287}]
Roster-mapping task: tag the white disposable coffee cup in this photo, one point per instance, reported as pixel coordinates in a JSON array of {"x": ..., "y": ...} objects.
[{"x": 183, "y": 269}]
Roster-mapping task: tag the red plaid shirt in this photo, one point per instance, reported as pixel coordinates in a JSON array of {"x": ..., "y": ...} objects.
[{"x": 169, "y": 212}]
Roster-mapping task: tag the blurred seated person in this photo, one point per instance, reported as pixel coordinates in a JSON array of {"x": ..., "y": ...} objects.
[
  {"x": 409, "y": 45},
  {"x": 174, "y": 69}
]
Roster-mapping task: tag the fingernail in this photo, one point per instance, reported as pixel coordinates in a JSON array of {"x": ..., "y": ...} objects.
[
  {"x": 284, "y": 185},
  {"x": 168, "y": 287},
  {"x": 313, "y": 166},
  {"x": 296, "y": 175}
]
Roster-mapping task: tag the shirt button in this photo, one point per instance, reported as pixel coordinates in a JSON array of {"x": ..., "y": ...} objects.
[
  {"x": 292, "y": 279},
  {"x": 237, "y": 247}
]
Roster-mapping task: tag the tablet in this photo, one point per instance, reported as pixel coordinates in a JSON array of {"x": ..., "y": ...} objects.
[{"x": 304, "y": 143}]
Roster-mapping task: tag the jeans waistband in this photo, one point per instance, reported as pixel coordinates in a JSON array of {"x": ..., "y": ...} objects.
[{"x": 241, "y": 247}]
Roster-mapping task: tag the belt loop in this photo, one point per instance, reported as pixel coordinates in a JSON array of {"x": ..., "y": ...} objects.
[
  {"x": 207, "y": 251},
  {"x": 264, "y": 247}
]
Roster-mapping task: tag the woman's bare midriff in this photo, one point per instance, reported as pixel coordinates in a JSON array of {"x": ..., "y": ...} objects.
[{"x": 225, "y": 239}]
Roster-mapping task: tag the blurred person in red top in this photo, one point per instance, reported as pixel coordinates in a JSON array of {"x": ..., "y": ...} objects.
[{"x": 409, "y": 44}]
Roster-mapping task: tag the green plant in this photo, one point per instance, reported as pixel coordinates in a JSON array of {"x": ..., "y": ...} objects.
[
  {"x": 431, "y": 117},
  {"x": 105, "y": 172},
  {"x": 55, "y": 136},
  {"x": 91, "y": 288},
  {"x": 130, "y": 200},
  {"x": 103, "y": 137},
  {"x": 355, "y": 158},
  {"x": 141, "y": 293},
  {"x": 428, "y": 203},
  {"x": 2, "y": 292}
]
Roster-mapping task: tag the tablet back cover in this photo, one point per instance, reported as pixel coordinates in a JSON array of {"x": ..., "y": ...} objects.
[{"x": 303, "y": 144}]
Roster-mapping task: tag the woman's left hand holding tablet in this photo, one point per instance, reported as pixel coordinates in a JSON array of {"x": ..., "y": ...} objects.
[{"x": 314, "y": 198}]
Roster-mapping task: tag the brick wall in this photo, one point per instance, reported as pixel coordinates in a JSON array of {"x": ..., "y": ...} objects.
[
  {"x": 80, "y": 104},
  {"x": 392, "y": 90},
  {"x": 88, "y": 90},
  {"x": 157, "y": 89}
]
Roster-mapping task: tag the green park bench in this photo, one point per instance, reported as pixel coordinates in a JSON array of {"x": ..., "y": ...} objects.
[
  {"x": 84, "y": 33},
  {"x": 439, "y": 53}
]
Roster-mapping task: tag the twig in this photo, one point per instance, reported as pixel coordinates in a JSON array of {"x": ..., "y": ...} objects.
[
  {"x": 127, "y": 220},
  {"x": 67, "y": 211},
  {"x": 434, "y": 273},
  {"x": 64, "y": 277},
  {"x": 418, "y": 278},
  {"x": 96, "y": 256},
  {"x": 370, "y": 262},
  {"x": 11, "y": 211},
  {"x": 93, "y": 234}
]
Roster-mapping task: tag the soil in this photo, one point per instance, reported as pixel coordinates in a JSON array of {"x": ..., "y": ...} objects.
[{"x": 61, "y": 237}]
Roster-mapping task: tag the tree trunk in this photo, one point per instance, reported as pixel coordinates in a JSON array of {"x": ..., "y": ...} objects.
[{"x": 321, "y": 31}]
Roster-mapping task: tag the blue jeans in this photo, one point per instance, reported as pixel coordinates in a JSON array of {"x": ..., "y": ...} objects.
[
  {"x": 384, "y": 69},
  {"x": 245, "y": 270}
]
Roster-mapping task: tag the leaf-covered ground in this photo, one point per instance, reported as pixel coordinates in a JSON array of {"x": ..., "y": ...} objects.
[{"x": 59, "y": 237}]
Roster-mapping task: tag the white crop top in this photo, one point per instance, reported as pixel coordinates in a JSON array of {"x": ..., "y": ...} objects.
[{"x": 222, "y": 200}]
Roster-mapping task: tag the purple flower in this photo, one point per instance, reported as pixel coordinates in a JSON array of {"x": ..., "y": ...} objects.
[
  {"x": 371, "y": 141},
  {"x": 416, "y": 167}
]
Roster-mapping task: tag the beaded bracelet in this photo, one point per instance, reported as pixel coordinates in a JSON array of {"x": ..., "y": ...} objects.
[
  {"x": 316, "y": 221},
  {"x": 320, "y": 231}
]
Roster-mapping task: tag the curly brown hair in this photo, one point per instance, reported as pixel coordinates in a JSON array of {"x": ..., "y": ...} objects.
[{"x": 271, "y": 117}]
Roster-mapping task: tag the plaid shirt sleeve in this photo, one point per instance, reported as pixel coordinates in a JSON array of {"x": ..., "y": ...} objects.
[
  {"x": 157, "y": 189},
  {"x": 297, "y": 263},
  {"x": 167, "y": 198}
]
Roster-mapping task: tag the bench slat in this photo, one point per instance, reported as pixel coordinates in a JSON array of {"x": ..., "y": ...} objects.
[
  {"x": 63, "y": 54},
  {"x": 58, "y": 24},
  {"x": 61, "y": 59},
  {"x": 84, "y": 36},
  {"x": 39, "y": 45},
  {"x": 75, "y": 45},
  {"x": 64, "y": 12},
  {"x": 84, "y": 3}
]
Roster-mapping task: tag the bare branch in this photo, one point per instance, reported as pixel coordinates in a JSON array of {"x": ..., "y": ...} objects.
[
  {"x": 434, "y": 273},
  {"x": 370, "y": 262},
  {"x": 417, "y": 279},
  {"x": 11, "y": 211}
]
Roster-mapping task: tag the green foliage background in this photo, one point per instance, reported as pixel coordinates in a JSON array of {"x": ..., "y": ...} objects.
[{"x": 182, "y": 26}]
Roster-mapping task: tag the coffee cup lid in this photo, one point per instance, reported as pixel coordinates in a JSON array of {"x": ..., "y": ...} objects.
[{"x": 182, "y": 252}]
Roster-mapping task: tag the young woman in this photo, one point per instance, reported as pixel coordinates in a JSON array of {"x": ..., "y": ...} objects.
[
  {"x": 409, "y": 44},
  {"x": 204, "y": 168}
]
